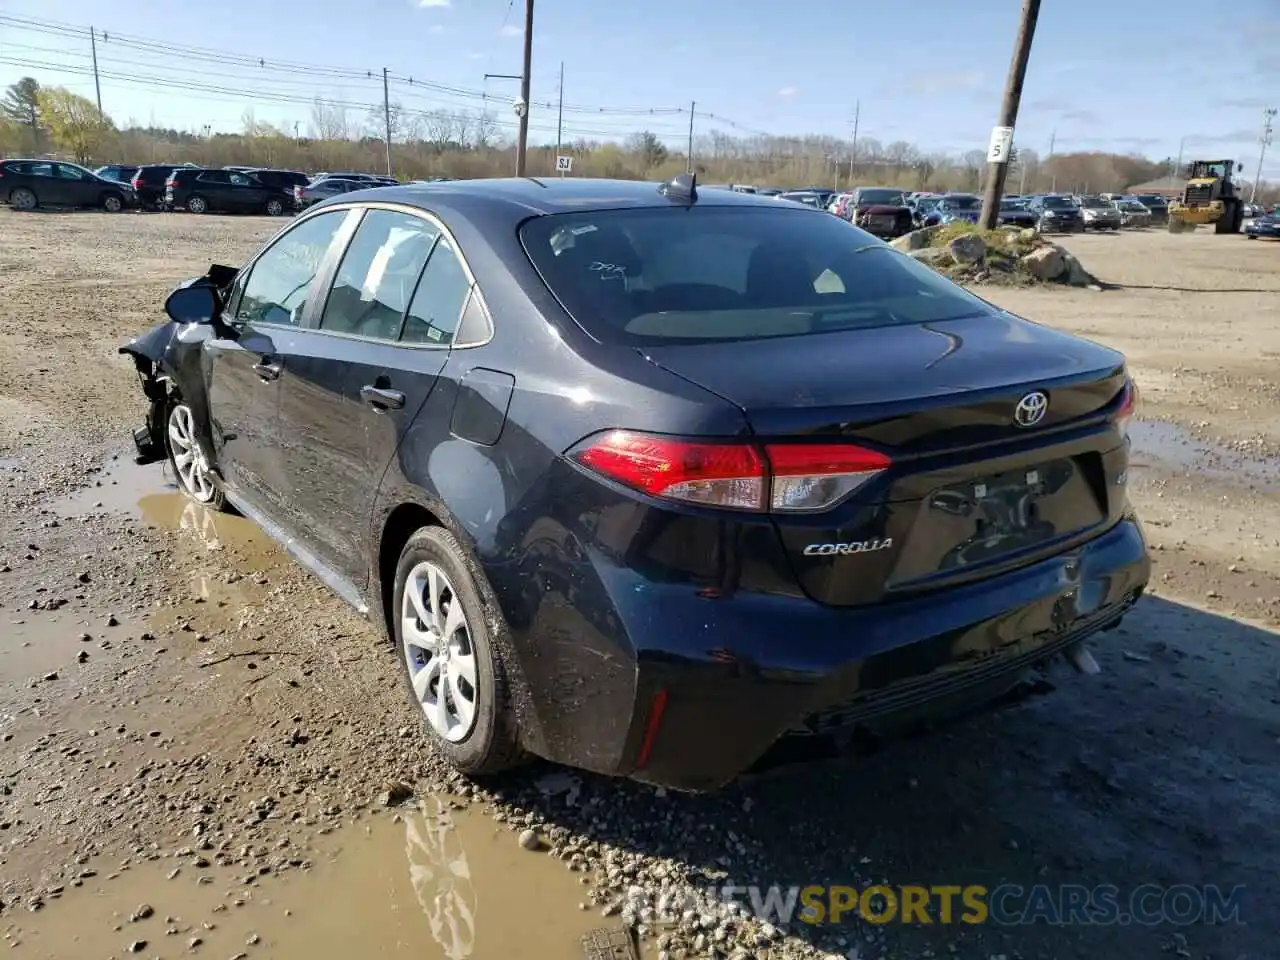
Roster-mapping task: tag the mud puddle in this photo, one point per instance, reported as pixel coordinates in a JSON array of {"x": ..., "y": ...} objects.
[
  {"x": 431, "y": 883},
  {"x": 1156, "y": 443},
  {"x": 117, "y": 487}
]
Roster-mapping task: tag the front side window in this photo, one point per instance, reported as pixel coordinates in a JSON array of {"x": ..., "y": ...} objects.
[
  {"x": 664, "y": 275},
  {"x": 65, "y": 171},
  {"x": 279, "y": 281},
  {"x": 378, "y": 274}
]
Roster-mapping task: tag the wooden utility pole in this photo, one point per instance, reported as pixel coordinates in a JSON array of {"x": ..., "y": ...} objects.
[
  {"x": 522, "y": 145},
  {"x": 853, "y": 149},
  {"x": 1002, "y": 135},
  {"x": 386, "y": 114},
  {"x": 97, "y": 87},
  {"x": 560, "y": 116},
  {"x": 693, "y": 108}
]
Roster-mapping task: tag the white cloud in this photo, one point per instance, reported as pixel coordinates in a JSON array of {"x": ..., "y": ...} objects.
[
  {"x": 510, "y": 30},
  {"x": 437, "y": 28},
  {"x": 433, "y": 3},
  {"x": 788, "y": 92}
]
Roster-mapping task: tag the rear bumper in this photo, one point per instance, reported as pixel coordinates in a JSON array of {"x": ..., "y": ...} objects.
[{"x": 714, "y": 683}]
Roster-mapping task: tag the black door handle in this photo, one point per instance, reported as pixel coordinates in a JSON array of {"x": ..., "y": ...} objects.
[
  {"x": 380, "y": 398},
  {"x": 266, "y": 370}
]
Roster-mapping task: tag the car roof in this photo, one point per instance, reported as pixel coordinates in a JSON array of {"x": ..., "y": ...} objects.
[{"x": 519, "y": 198}]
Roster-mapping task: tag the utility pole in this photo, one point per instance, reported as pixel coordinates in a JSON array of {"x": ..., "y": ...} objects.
[
  {"x": 522, "y": 145},
  {"x": 560, "y": 115},
  {"x": 1177, "y": 164},
  {"x": 386, "y": 114},
  {"x": 1267, "y": 116},
  {"x": 853, "y": 150},
  {"x": 1002, "y": 136},
  {"x": 97, "y": 87},
  {"x": 1022, "y": 175},
  {"x": 693, "y": 108}
]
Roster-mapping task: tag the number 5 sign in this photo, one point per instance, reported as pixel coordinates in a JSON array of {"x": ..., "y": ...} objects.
[{"x": 564, "y": 164}]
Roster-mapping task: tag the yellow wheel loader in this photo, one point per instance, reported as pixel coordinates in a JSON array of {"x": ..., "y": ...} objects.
[{"x": 1209, "y": 197}]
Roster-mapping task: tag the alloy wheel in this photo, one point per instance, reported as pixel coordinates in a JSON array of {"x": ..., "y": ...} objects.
[
  {"x": 22, "y": 199},
  {"x": 112, "y": 204},
  {"x": 274, "y": 208},
  {"x": 438, "y": 652},
  {"x": 188, "y": 459},
  {"x": 196, "y": 205}
]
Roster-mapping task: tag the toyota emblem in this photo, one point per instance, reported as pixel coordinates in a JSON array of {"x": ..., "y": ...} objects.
[{"x": 1031, "y": 409}]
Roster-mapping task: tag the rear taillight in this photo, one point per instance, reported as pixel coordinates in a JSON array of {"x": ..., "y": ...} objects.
[
  {"x": 1129, "y": 399},
  {"x": 780, "y": 478},
  {"x": 136, "y": 183}
]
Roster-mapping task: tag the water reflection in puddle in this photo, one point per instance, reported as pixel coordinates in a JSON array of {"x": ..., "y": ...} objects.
[
  {"x": 1167, "y": 444},
  {"x": 118, "y": 488},
  {"x": 442, "y": 884}
]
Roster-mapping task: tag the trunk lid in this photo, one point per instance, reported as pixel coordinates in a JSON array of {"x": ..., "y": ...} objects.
[{"x": 971, "y": 492}]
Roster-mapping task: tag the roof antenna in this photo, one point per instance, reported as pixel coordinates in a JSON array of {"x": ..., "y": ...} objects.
[{"x": 682, "y": 187}]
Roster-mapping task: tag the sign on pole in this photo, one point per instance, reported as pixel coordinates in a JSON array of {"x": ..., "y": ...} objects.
[
  {"x": 564, "y": 164},
  {"x": 1001, "y": 143}
]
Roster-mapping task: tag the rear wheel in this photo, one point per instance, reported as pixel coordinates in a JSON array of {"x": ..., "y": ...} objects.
[
  {"x": 190, "y": 465},
  {"x": 22, "y": 198},
  {"x": 275, "y": 207},
  {"x": 197, "y": 204},
  {"x": 453, "y": 667},
  {"x": 112, "y": 202}
]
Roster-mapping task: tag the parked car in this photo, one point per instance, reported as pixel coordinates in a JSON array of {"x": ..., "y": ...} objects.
[
  {"x": 665, "y": 565},
  {"x": 149, "y": 184},
  {"x": 808, "y": 198},
  {"x": 924, "y": 210},
  {"x": 28, "y": 184},
  {"x": 118, "y": 172},
  {"x": 284, "y": 180},
  {"x": 839, "y": 205},
  {"x": 199, "y": 190},
  {"x": 1014, "y": 213},
  {"x": 1056, "y": 213},
  {"x": 1263, "y": 225},
  {"x": 1098, "y": 214},
  {"x": 959, "y": 207},
  {"x": 1132, "y": 213},
  {"x": 1158, "y": 206},
  {"x": 313, "y": 193},
  {"x": 881, "y": 211}
]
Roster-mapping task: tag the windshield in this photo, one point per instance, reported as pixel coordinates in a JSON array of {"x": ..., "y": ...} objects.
[
  {"x": 927, "y": 203},
  {"x": 962, "y": 203},
  {"x": 893, "y": 197},
  {"x": 1094, "y": 203},
  {"x": 672, "y": 274},
  {"x": 1133, "y": 205},
  {"x": 1058, "y": 203},
  {"x": 1011, "y": 204}
]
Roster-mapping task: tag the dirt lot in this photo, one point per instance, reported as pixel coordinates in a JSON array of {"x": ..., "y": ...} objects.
[{"x": 203, "y": 753}]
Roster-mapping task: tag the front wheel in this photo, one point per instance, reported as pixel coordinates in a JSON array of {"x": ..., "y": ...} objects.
[
  {"x": 197, "y": 204},
  {"x": 190, "y": 465},
  {"x": 23, "y": 198},
  {"x": 112, "y": 203},
  {"x": 453, "y": 668}
]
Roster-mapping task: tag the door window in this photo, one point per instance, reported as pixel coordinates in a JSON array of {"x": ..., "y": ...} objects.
[
  {"x": 239, "y": 180},
  {"x": 437, "y": 303},
  {"x": 64, "y": 171},
  {"x": 279, "y": 281},
  {"x": 377, "y": 275}
]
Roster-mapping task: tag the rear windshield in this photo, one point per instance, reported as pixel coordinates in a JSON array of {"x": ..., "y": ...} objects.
[
  {"x": 663, "y": 275},
  {"x": 891, "y": 197},
  {"x": 963, "y": 203},
  {"x": 1059, "y": 203}
]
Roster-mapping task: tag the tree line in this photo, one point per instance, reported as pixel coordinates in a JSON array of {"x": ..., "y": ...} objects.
[{"x": 454, "y": 143}]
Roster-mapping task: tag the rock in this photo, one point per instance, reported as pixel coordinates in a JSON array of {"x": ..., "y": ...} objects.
[
  {"x": 915, "y": 240},
  {"x": 1076, "y": 275},
  {"x": 1045, "y": 263},
  {"x": 396, "y": 794},
  {"x": 1028, "y": 235},
  {"x": 530, "y": 840},
  {"x": 967, "y": 248},
  {"x": 932, "y": 256},
  {"x": 82, "y": 656},
  {"x": 137, "y": 946},
  {"x": 142, "y": 913}
]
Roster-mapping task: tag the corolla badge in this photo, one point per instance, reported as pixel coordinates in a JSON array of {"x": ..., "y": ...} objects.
[
  {"x": 844, "y": 549},
  {"x": 1031, "y": 409}
]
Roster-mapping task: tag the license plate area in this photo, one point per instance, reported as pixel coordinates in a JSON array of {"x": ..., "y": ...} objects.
[{"x": 986, "y": 518}]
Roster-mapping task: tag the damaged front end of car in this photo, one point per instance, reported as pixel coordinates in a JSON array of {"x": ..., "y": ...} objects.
[{"x": 167, "y": 360}]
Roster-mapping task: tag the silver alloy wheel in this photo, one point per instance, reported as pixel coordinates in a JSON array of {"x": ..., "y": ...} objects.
[
  {"x": 112, "y": 204},
  {"x": 22, "y": 199},
  {"x": 274, "y": 208},
  {"x": 188, "y": 458},
  {"x": 197, "y": 205},
  {"x": 438, "y": 651}
]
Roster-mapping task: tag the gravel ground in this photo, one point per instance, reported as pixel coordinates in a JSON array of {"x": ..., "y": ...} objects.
[{"x": 194, "y": 734}]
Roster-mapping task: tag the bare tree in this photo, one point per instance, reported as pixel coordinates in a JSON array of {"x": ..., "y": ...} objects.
[
  {"x": 329, "y": 121},
  {"x": 442, "y": 129}
]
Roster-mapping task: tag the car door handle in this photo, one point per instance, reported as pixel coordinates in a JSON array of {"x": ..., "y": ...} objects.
[
  {"x": 267, "y": 371},
  {"x": 380, "y": 398}
]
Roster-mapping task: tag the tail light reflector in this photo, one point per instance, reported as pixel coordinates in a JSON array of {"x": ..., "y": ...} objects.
[
  {"x": 779, "y": 478},
  {"x": 136, "y": 183},
  {"x": 1129, "y": 400}
]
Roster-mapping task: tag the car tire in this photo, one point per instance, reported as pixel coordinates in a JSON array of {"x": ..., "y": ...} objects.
[
  {"x": 197, "y": 204},
  {"x": 112, "y": 202},
  {"x": 275, "y": 207},
  {"x": 23, "y": 198},
  {"x": 467, "y": 658},
  {"x": 187, "y": 459}
]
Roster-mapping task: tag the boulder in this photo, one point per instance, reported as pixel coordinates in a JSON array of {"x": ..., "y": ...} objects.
[
  {"x": 1075, "y": 274},
  {"x": 915, "y": 240},
  {"x": 1045, "y": 263},
  {"x": 933, "y": 256},
  {"x": 1028, "y": 234},
  {"x": 967, "y": 248}
]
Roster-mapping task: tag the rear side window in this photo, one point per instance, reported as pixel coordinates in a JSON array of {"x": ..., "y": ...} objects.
[
  {"x": 279, "y": 281},
  {"x": 437, "y": 303},
  {"x": 378, "y": 273},
  {"x": 671, "y": 274}
]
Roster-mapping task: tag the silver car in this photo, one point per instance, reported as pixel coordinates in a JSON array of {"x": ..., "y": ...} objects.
[
  {"x": 1133, "y": 213},
  {"x": 1099, "y": 214}
]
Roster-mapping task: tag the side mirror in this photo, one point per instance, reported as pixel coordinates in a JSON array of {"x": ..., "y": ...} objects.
[{"x": 194, "y": 304}]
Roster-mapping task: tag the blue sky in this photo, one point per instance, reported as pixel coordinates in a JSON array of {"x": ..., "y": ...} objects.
[{"x": 1125, "y": 75}]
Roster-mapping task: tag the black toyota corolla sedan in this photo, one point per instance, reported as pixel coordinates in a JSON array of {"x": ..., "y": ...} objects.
[{"x": 650, "y": 480}]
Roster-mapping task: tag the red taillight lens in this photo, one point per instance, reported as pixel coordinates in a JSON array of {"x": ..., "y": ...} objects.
[
  {"x": 136, "y": 183},
  {"x": 783, "y": 478},
  {"x": 1129, "y": 400}
]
